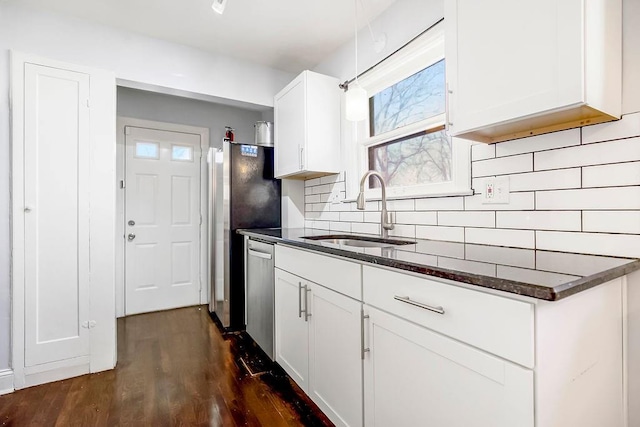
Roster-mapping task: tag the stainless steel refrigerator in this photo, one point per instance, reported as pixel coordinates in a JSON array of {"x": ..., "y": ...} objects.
[{"x": 243, "y": 194}]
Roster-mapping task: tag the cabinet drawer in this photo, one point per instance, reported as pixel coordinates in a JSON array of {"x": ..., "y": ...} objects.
[
  {"x": 498, "y": 325},
  {"x": 336, "y": 274}
]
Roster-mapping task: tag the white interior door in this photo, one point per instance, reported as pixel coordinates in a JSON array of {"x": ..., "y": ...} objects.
[
  {"x": 162, "y": 215},
  {"x": 56, "y": 214}
]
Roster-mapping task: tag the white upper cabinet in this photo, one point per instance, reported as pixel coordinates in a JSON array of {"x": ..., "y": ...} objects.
[
  {"x": 307, "y": 127},
  {"x": 522, "y": 68}
]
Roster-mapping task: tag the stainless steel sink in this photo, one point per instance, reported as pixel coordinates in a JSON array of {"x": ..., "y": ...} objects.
[{"x": 360, "y": 241}]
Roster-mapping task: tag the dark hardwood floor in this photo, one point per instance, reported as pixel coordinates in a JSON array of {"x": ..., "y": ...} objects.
[{"x": 174, "y": 368}]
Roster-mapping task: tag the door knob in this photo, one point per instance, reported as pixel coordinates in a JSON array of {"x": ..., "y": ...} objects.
[{"x": 131, "y": 236}]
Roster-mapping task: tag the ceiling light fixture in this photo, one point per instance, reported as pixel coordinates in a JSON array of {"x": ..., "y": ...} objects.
[
  {"x": 356, "y": 99},
  {"x": 218, "y": 6}
]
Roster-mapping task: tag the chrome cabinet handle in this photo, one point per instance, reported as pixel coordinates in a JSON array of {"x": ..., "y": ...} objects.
[
  {"x": 448, "y": 124},
  {"x": 363, "y": 350},
  {"x": 306, "y": 303},
  {"x": 301, "y": 156},
  {"x": 299, "y": 299},
  {"x": 259, "y": 254},
  {"x": 406, "y": 300},
  {"x": 131, "y": 236}
]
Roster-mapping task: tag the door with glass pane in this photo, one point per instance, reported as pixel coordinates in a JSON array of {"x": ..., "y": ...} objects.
[{"x": 162, "y": 215}]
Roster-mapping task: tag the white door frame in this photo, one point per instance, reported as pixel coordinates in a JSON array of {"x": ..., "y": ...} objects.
[
  {"x": 102, "y": 201},
  {"x": 120, "y": 202}
]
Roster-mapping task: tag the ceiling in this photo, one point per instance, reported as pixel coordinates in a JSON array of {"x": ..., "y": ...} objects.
[{"x": 290, "y": 35}]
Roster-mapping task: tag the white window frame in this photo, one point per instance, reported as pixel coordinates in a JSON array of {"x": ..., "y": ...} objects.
[{"x": 424, "y": 51}]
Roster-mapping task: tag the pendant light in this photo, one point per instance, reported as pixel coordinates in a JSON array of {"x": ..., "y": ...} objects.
[
  {"x": 356, "y": 99},
  {"x": 218, "y": 6}
]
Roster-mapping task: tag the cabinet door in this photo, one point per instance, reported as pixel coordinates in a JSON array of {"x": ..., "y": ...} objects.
[
  {"x": 335, "y": 365},
  {"x": 508, "y": 60},
  {"x": 292, "y": 331},
  {"x": 413, "y": 376},
  {"x": 290, "y": 134}
]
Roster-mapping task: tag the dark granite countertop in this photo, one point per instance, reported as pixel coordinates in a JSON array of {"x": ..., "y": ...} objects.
[{"x": 539, "y": 274}]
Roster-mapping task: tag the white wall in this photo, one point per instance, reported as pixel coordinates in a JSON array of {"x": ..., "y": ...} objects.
[
  {"x": 136, "y": 60},
  {"x": 172, "y": 109}
]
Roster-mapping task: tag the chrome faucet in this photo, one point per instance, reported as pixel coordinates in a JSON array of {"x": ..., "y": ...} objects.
[{"x": 385, "y": 217}]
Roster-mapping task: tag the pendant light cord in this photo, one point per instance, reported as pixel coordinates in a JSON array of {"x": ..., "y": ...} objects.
[{"x": 355, "y": 27}]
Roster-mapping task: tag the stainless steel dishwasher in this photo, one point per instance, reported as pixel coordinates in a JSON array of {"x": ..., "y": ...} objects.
[{"x": 259, "y": 293}]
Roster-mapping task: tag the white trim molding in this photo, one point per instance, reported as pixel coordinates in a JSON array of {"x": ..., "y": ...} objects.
[{"x": 6, "y": 381}]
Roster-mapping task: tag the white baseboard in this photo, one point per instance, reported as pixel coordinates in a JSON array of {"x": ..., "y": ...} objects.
[{"x": 6, "y": 381}]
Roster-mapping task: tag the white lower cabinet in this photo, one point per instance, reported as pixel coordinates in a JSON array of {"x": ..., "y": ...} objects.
[
  {"x": 292, "y": 331},
  {"x": 318, "y": 344},
  {"x": 413, "y": 377},
  {"x": 376, "y": 347}
]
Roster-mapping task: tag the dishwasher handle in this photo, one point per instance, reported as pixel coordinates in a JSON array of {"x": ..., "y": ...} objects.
[{"x": 259, "y": 254}]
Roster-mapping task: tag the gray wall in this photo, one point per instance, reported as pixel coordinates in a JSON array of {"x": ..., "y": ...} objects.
[{"x": 140, "y": 104}]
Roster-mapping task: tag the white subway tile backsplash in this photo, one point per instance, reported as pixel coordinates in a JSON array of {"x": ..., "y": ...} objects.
[
  {"x": 532, "y": 181},
  {"x": 312, "y": 182},
  {"x": 416, "y": 258},
  {"x": 401, "y": 230},
  {"x": 365, "y": 228},
  {"x": 575, "y": 263},
  {"x": 401, "y": 205},
  {"x": 368, "y": 206},
  {"x": 341, "y": 207},
  {"x": 325, "y": 188},
  {"x": 322, "y": 225},
  {"x": 498, "y": 255},
  {"x": 517, "y": 202},
  {"x": 370, "y": 216},
  {"x": 468, "y": 266},
  {"x": 611, "y": 221},
  {"x": 330, "y": 179},
  {"x": 450, "y": 234},
  {"x": 547, "y": 141},
  {"x": 311, "y": 215},
  {"x": 533, "y": 276},
  {"x": 617, "y": 174},
  {"x": 588, "y": 155},
  {"x": 590, "y": 198},
  {"x": 503, "y": 165},
  {"x": 540, "y": 220},
  {"x": 571, "y": 191},
  {"x": 622, "y": 245},
  {"x": 483, "y": 151},
  {"x": 416, "y": 218},
  {"x": 329, "y": 216},
  {"x": 628, "y": 127},
  {"x": 312, "y": 199},
  {"x": 340, "y": 226},
  {"x": 357, "y": 216},
  {"x": 448, "y": 249},
  {"x": 498, "y": 237},
  {"x": 467, "y": 219},
  {"x": 440, "y": 204},
  {"x": 547, "y": 180}
]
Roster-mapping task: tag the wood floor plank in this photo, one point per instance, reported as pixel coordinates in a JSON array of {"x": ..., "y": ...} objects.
[{"x": 174, "y": 368}]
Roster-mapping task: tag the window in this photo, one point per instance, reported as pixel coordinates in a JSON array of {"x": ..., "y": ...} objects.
[
  {"x": 182, "y": 153},
  {"x": 404, "y": 137},
  {"x": 147, "y": 150}
]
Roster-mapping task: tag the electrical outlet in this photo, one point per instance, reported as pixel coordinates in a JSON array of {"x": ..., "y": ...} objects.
[
  {"x": 334, "y": 198},
  {"x": 496, "y": 191}
]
